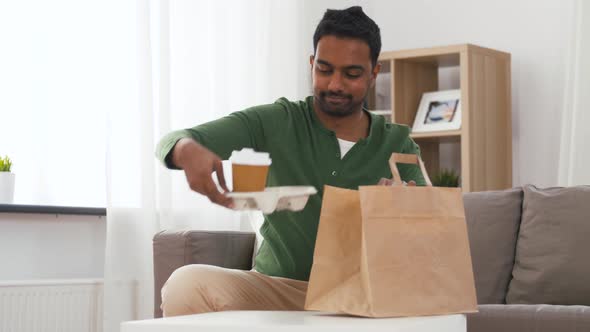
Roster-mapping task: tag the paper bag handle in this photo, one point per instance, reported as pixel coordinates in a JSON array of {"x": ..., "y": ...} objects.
[{"x": 406, "y": 159}]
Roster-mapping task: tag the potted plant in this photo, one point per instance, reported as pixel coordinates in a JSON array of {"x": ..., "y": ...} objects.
[
  {"x": 445, "y": 178},
  {"x": 6, "y": 181}
]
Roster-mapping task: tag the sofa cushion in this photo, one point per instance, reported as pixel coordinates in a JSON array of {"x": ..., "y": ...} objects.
[
  {"x": 552, "y": 264},
  {"x": 529, "y": 318},
  {"x": 492, "y": 218}
]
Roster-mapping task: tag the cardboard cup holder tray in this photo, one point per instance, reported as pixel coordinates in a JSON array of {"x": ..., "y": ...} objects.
[{"x": 272, "y": 199}]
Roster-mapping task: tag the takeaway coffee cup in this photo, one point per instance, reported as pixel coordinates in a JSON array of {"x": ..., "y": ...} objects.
[{"x": 249, "y": 170}]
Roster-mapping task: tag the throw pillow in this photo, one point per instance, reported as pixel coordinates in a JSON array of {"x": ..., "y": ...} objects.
[
  {"x": 493, "y": 218},
  {"x": 552, "y": 264}
]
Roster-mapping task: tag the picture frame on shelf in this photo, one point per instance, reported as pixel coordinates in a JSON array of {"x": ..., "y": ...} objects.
[{"x": 438, "y": 111}]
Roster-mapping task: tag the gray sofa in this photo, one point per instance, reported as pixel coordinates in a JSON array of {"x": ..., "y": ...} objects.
[{"x": 529, "y": 248}]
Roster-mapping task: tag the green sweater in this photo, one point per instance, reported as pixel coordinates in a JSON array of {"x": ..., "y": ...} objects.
[{"x": 303, "y": 152}]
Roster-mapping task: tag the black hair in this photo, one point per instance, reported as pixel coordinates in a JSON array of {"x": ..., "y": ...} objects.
[{"x": 350, "y": 23}]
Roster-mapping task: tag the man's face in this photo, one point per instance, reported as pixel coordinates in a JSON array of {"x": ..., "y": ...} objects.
[{"x": 342, "y": 74}]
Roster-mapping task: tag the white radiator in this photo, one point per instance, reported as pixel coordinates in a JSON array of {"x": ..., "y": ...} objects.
[{"x": 51, "y": 305}]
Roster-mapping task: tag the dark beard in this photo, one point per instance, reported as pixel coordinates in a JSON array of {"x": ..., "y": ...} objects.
[{"x": 337, "y": 111}]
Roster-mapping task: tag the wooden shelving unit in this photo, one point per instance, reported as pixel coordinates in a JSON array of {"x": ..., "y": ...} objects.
[{"x": 485, "y": 136}]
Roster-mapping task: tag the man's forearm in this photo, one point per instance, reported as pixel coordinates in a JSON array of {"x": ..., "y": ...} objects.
[{"x": 182, "y": 148}]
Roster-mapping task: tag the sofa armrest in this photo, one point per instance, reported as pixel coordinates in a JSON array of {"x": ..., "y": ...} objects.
[
  {"x": 173, "y": 249},
  {"x": 529, "y": 318}
]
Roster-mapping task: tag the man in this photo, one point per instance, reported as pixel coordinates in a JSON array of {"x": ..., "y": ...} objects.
[{"x": 326, "y": 139}]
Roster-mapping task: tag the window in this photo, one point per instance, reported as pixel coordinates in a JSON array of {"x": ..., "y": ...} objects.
[{"x": 63, "y": 65}]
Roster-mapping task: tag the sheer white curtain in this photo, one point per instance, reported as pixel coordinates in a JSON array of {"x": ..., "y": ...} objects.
[
  {"x": 195, "y": 62},
  {"x": 58, "y": 61},
  {"x": 574, "y": 159}
]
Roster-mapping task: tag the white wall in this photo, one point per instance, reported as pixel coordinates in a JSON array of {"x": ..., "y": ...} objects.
[
  {"x": 46, "y": 246},
  {"x": 536, "y": 33}
]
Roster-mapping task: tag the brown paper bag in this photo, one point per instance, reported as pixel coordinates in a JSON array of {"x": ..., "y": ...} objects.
[{"x": 387, "y": 251}]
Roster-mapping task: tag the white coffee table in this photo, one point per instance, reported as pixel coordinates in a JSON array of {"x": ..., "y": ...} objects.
[{"x": 291, "y": 321}]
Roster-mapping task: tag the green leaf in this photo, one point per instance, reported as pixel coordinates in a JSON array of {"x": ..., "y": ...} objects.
[
  {"x": 5, "y": 164},
  {"x": 445, "y": 178}
]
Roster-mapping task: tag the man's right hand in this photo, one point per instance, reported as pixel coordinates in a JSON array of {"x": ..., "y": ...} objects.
[{"x": 198, "y": 163}]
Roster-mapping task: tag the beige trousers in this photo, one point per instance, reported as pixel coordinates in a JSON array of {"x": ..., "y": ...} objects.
[{"x": 199, "y": 288}]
